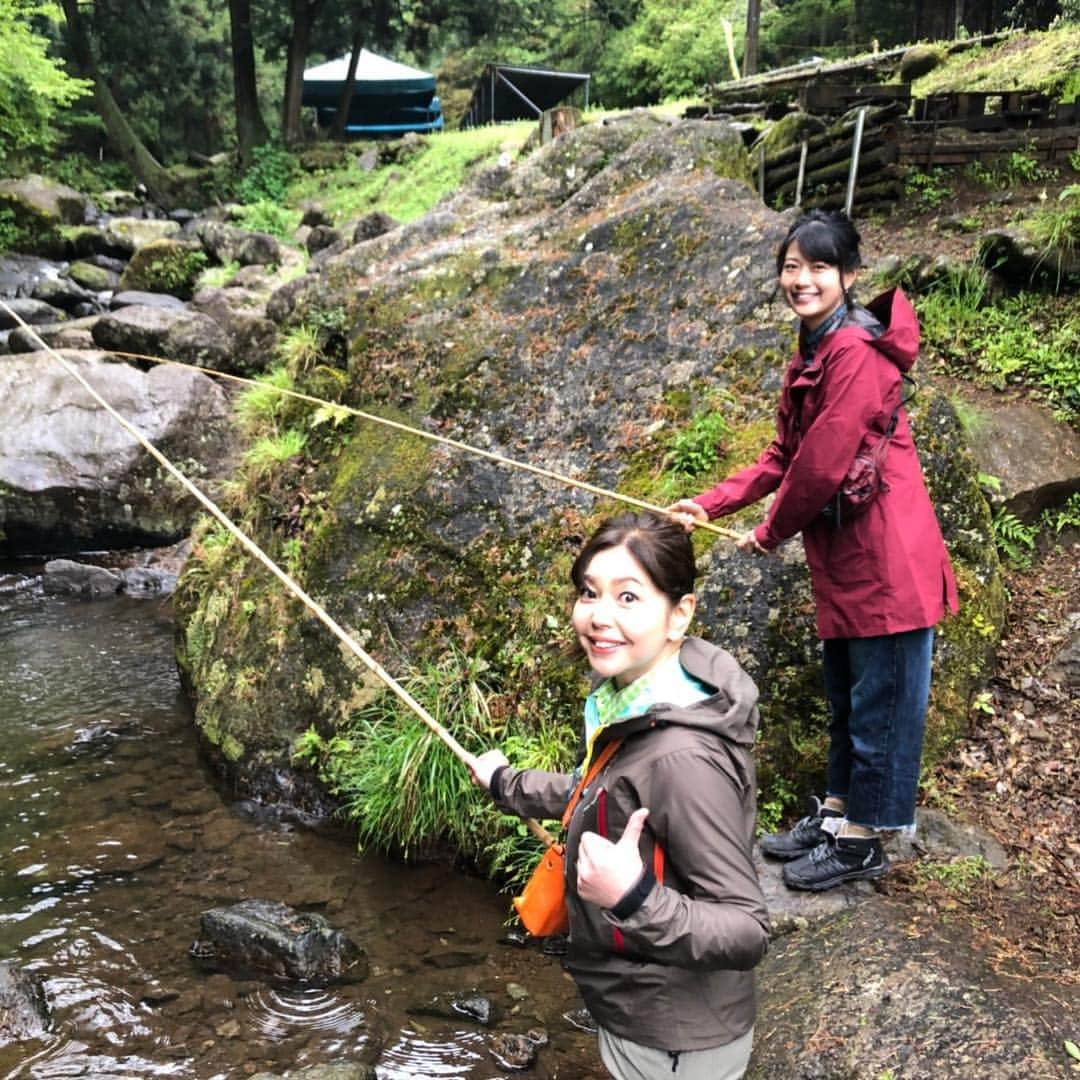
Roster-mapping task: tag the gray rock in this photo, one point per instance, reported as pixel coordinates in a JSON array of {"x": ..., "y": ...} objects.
[
  {"x": 941, "y": 837},
  {"x": 177, "y": 334},
  {"x": 72, "y": 479},
  {"x": 272, "y": 939},
  {"x": 131, "y": 233},
  {"x": 241, "y": 313},
  {"x": 84, "y": 579},
  {"x": 24, "y": 1012},
  {"x": 372, "y": 225},
  {"x": 72, "y": 334},
  {"x": 864, "y": 996},
  {"x": 135, "y": 298},
  {"x": 92, "y": 277},
  {"x": 314, "y": 214},
  {"x": 517, "y": 1050},
  {"x": 228, "y": 244},
  {"x": 44, "y": 203},
  {"x": 467, "y": 1004},
  {"x": 62, "y": 293},
  {"x": 33, "y": 311},
  {"x": 1022, "y": 260},
  {"x": 323, "y": 1072},
  {"x": 1065, "y": 666},
  {"x": 322, "y": 236},
  {"x": 1035, "y": 459},
  {"x": 144, "y": 581}
]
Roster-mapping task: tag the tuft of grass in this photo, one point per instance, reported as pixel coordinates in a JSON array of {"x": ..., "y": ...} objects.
[
  {"x": 265, "y": 455},
  {"x": 300, "y": 349},
  {"x": 269, "y": 217},
  {"x": 699, "y": 446},
  {"x": 404, "y": 790},
  {"x": 959, "y": 875},
  {"x": 216, "y": 277},
  {"x": 261, "y": 407},
  {"x": 1057, "y": 230}
]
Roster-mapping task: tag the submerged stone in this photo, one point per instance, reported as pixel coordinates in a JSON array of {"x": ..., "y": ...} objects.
[
  {"x": 24, "y": 1013},
  {"x": 268, "y": 938},
  {"x": 453, "y": 1006}
]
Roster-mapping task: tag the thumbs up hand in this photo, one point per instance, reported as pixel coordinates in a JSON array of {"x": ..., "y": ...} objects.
[{"x": 607, "y": 871}]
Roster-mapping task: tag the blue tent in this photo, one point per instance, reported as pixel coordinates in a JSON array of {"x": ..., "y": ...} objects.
[{"x": 388, "y": 98}]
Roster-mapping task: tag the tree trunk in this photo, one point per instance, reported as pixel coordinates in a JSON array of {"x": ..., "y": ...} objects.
[
  {"x": 143, "y": 165},
  {"x": 347, "y": 87},
  {"x": 304, "y": 13},
  {"x": 750, "y": 49},
  {"x": 250, "y": 126}
]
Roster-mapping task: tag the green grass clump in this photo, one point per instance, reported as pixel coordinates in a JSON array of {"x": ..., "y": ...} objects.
[
  {"x": 261, "y": 407},
  {"x": 1057, "y": 230},
  {"x": 407, "y": 191},
  {"x": 267, "y": 453},
  {"x": 960, "y": 875},
  {"x": 698, "y": 447},
  {"x": 1028, "y": 339},
  {"x": 268, "y": 217},
  {"x": 405, "y": 791},
  {"x": 216, "y": 277}
]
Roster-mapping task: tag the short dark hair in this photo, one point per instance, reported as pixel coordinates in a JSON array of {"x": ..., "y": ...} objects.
[
  {"x": 827, "y": 236},
  {"x": 659, "y": 543}
]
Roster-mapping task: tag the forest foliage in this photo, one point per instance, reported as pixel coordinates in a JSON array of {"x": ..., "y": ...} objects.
[{"x": 170, "y": 64}]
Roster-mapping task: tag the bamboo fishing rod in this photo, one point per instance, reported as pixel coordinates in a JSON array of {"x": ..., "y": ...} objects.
[
  {"x": 456, "y": 444},
  {"x": 290, "y": 584}
]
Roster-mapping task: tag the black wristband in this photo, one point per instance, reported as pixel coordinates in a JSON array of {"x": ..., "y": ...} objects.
[
  {"x": 495, "y": 786},
  {"x": 634, "y": 897}
]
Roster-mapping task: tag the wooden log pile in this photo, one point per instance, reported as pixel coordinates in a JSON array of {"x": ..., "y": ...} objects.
[{"x": 828, "y": 164}]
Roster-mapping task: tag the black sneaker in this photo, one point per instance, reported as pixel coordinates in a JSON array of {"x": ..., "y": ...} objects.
[
  {"x": 837, "y": 859},
  {"x": 800, "y": 840}
]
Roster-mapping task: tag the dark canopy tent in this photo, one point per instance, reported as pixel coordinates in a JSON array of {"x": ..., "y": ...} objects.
[
  {"x": 388, "y": 98},
  {"x": 506, "y": 92}
]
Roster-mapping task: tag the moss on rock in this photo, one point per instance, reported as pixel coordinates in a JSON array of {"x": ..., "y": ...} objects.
[
  {"x": 165, "y": 266},
  {"x": 634, "y": 307}
]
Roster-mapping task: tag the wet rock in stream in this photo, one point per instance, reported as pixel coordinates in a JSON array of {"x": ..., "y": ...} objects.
[
  {"x": 454, "y": 1006},
  {"x": 24, "y": 1013},
  {"x": 268, "y": 938},
  {"x": 516, "y": 1051},
  {"x": 323, "y": 1072}
]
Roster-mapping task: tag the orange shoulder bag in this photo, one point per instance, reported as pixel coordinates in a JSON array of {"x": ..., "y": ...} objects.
[{"x": 542, "y": 904}]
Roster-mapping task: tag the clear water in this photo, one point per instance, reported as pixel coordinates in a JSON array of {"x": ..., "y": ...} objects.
[{"x": 114, "y": 837}]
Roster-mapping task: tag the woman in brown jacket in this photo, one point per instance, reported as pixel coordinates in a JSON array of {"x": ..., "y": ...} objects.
[{"x": 666, "y": 915}]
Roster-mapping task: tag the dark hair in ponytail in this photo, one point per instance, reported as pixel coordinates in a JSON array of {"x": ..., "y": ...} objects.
[{"x": 659, "y": 543}]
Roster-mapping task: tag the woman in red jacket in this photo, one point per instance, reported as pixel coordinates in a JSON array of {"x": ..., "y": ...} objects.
[{"x": 881, "y": 575}]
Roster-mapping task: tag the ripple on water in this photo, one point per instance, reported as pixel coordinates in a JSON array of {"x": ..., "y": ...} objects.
[
  {"x": 418, "y": 1054},
  {"x": 281, "y": 1012}
]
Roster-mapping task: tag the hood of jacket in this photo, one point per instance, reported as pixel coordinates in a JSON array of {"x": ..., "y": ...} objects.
[
  {"x": 730, "y": 711},
  {"x": 892, "y": 326}
]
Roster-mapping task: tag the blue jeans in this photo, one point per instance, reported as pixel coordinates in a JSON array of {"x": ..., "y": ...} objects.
[{"x": 877, "y": 688}]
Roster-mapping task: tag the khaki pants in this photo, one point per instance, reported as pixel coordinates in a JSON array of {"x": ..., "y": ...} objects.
[{"x": 626, "y": 1060}]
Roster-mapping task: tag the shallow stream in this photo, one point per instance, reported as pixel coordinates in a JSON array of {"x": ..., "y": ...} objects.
[{"x": 114, "y": 837}]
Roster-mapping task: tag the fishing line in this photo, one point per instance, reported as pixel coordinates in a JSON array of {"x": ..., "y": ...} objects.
[
  {"x": 290, "y": 584},
  {"x": 490, "y": 455}
]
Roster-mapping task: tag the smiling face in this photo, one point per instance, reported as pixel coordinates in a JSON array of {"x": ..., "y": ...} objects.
[
  {"x": 625, "y": 624},
  {"x": 813, "y": 289}
]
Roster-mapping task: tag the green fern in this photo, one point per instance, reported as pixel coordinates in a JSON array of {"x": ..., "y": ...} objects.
[{"x": 1014, "y": 539}]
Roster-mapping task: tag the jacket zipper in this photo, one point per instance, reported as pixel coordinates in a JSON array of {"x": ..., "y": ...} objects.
[{"x": 602, "y": 830}]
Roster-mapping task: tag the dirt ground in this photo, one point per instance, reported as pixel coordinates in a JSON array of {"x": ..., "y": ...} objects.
[{"x": 1016, "y": 775}]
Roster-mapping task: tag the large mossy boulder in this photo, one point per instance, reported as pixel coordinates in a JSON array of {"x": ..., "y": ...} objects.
[
  {"x": 40, "y": 209},
  {"x": 165, "y": 266},
  {"x": 581, "y": 327}
]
